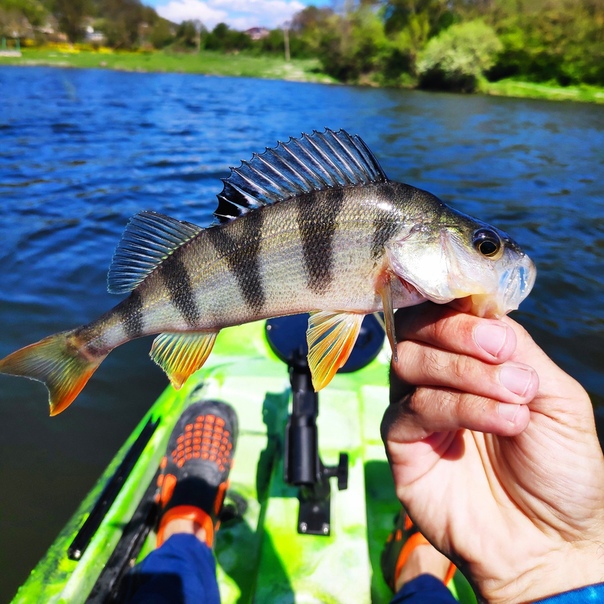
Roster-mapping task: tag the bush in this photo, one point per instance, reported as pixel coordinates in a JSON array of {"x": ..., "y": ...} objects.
[
  {"x": 161, "y": 34},
  {"x": 354, "y": 48},
  {"x": 458, "y": 57}
]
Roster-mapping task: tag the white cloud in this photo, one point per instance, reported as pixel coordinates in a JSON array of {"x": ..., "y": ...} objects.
[
  {"x": 178, "y": 11},
  {"x": 238, "y": 14}
]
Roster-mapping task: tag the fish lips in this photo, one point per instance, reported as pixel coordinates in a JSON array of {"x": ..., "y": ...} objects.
[{"x": 515, "y": 284}]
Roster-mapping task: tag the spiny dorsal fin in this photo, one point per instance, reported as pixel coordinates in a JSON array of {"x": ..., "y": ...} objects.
[
  {"x": 322, "y": 160},
  {"x": 148, "y": 239}
]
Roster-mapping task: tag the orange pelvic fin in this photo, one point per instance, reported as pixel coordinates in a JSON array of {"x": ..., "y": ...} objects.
[
  {"x": 181, "y": 354},
  {"x": 59, "y": 362},
  {"x": 331, "y": 337}
]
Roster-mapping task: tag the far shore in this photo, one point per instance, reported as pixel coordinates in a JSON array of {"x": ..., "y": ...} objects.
[{"x": 263, "y": 66}]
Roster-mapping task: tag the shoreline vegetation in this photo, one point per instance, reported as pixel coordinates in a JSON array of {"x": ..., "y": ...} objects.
[
  {"x": 544, "y": 49},
  {"x": 243, "y": 64},
  {"x": 203, "y": 63}
]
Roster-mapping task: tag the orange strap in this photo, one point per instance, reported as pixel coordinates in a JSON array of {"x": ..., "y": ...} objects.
[
  {"x": 187, "y": 512},
  {"x": 450, "y": 573},
  {"x": 413, "y": 541}
]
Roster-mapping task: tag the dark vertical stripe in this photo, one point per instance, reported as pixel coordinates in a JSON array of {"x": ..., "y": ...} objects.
[
  {"x": 176, "y": 278},
  {"x": 317, "y": 215},
  {"x": 131, "y": 313},
  {"x": 386, "y": 220},
  {"x": 238, "y": 242}
]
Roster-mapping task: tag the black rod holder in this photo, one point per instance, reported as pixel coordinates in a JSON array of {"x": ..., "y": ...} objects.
[{"x": 302, "y": 464}]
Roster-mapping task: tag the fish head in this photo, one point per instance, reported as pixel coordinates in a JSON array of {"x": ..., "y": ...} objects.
[{"x": 458, "y": 257}]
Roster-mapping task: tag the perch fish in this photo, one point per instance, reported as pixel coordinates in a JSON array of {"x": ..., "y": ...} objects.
[{"x": 312, "y": 225}]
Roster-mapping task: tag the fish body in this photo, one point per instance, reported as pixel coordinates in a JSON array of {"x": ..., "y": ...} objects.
[{"x": 313, "y": 225}]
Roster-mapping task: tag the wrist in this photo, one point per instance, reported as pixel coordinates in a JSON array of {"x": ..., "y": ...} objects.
[{"x": 561, "y": 571}]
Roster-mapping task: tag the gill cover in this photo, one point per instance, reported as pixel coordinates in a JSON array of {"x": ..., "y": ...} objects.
[{"x": 458, "y": 260}]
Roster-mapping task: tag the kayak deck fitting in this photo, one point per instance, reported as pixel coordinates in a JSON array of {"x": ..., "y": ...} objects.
[{"x": 279, "y": 541}]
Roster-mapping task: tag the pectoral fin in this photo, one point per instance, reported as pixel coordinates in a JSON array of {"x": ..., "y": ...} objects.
[
  {"x": 331, "y": 337},
  {"x": 384, "y": 289},
  {"x": 181, "y": 354}
]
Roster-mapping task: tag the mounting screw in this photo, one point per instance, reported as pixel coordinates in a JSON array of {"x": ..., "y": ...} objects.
[
  {"x": 303, "y": 527},
  {"x": 325, "y": 528}
]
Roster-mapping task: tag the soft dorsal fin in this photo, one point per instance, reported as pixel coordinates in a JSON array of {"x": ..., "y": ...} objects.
[
  {"x": 321, "y": 160},
  {"x": 148, "y": 239}
]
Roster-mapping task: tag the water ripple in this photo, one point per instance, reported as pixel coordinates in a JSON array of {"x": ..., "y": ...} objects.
[{"x": 83, "y": 150}]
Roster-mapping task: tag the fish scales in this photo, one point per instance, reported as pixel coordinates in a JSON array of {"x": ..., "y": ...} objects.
[
  {"x": 238, "y": 273},
  {"x": 313, "y": 225},
  {"x": 250, "y": 268}
]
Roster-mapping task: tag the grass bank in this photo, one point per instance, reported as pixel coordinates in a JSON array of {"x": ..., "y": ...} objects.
[
  {"x": 206, "y": 62},
  {"x": 515, "y": 88},
  {"x": 265, "y": 66}
]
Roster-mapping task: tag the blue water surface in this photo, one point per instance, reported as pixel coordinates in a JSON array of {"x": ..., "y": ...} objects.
[{"x": 83, "y": 150}]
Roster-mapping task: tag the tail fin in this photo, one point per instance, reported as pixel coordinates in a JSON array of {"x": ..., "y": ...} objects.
[{"x": 59, "y": 362}]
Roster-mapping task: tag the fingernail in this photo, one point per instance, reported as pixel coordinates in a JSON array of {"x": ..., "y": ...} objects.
[
  {"x": 491, "y": 337},
  {"x": 516, "y": 379},
  {"x": 508, "y": 411}
]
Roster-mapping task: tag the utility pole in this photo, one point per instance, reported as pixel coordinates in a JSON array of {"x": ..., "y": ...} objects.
[
  {"x": 286, "y": 40},
  {"x": 198, "y": 27}
]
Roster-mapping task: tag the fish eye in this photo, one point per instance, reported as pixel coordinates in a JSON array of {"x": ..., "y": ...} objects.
[{"x": 488, "y": 243}]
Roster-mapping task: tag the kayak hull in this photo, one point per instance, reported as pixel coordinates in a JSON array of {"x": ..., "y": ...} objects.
[{"x": 261, "y": 554}]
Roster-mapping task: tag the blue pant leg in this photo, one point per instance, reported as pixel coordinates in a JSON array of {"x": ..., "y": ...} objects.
[
  {"x": 424, "y": 589},
  {"x": 181, "y": 571}
]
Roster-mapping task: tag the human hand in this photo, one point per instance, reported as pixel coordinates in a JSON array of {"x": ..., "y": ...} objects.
[{"x": 494, "y": 454}]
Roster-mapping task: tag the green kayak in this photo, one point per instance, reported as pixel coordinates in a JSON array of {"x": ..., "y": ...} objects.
[{"x": 281, "y": 538}]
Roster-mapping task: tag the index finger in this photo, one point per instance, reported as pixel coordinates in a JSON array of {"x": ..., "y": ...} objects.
[{"x": 440, "y": 326}]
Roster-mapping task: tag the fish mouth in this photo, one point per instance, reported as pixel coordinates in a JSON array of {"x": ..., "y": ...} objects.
[{"x": 514, "y": 286}]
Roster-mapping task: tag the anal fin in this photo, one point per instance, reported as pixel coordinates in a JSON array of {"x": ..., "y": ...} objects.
[
  {"x": 331, "y": 337},
  {"x": 181, "y": 354}
]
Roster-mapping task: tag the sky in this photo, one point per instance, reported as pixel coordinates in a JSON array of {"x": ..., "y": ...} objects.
[{"x": 237, "y": 14}]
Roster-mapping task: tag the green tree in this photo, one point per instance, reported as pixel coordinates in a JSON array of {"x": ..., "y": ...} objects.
[
  {"x": 70, "y": 15},
  {"x": 11, "y": 22},
  {"x": 274, "y": 43},
  {"x": 311, "y": 25},
  {"x": 354, "y": 47},
  {"x": 411, "y": 23},
  {"x": 161, "y": 34},
  {"x": 18, "y": 14},
  {"x": 223, "y": 38},
  {"x": 458, "y": 57},
  {"x": 544, "y": 40},
  {"x": 187, "y": 35},
  {"x": 122, "y": 22}
]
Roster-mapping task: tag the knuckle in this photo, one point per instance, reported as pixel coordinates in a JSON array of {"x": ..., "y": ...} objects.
[
  {"x": 440, "y": 331},
  {"x": 436, "y": 364},
  {"x": 460, "y": 367},
  {"x": 448, "y": 400},
  {"x": 469, "y": 405}
]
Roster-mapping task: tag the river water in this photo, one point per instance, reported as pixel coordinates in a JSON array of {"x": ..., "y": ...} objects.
[{"x": 83, "y": 150}]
